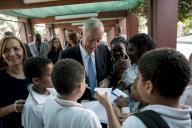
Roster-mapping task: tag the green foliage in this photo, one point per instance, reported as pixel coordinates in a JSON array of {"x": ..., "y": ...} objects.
[
  {"x": 184, "y": 12},
  {"x": 187, "y": 26},
  {"x": 142, "y": 8}
]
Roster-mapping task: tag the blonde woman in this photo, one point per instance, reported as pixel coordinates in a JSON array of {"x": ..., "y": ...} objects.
[{"x": 13, "y": 83}]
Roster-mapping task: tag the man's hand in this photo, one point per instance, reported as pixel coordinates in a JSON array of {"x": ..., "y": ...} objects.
[
  {"x": 121, "y": 102},
  {"x": 104, "y": 83}
]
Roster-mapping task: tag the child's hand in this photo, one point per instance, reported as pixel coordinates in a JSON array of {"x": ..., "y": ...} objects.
[
  {"x": 116, "y": 110},
  {"x": 103, "y": 99},
  {"x": 122, "y": 64},
  {"x": 18, "y": 105},
  {"x": 123, "y": 117},
  {"x": 121, "y": 102}
]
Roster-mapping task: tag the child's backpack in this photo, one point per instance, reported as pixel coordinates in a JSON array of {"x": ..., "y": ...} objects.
[{"x": 151, "y": 119}]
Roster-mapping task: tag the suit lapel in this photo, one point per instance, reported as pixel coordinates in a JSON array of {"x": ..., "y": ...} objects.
[
  {"x": 41, "y": 49},
  {"x": 80, "y": 59},
  {"x": 35, "y": 49},
  {"x": 97, "y": 60},
  {"x": 78, "y": 55}
]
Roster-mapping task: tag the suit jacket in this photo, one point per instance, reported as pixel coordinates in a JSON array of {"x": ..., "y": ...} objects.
[
  {"x": 44, "y": 49},
  {"x": 102, "y": 61},
  {"x": 28, "y": 50}
]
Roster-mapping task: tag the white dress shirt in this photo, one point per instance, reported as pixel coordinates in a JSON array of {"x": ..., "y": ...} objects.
[{"x": 85, "y": 57}]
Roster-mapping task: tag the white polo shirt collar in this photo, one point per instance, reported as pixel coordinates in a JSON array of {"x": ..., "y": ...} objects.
[{"x": 39, "y": 98}]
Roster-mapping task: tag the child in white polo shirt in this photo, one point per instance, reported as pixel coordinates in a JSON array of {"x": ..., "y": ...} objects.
[
  {"x": 163, "y": 75},
  {"x": 68, "y": 78},
  {"x": 38, "y": 71}
]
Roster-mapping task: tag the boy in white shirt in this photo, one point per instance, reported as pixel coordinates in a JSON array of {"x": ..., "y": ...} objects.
[
  {"x": 38, "y": 71},
  {"x": 68, "y": 78},
  {"x": 163, "y": 75}
]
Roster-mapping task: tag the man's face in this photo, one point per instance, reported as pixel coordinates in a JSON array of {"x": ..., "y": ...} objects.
[{"x": 92, "y": 38}]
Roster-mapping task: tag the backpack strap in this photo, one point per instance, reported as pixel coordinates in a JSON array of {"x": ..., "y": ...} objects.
[
  {"x": 151, "y": 119},
  {"x": 191, "y": 115}
]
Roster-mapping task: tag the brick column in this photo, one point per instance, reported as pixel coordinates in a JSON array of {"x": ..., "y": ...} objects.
[
  {"x": 27, "y": 30},
  {"x": 162, "y": 16},
  {"x": 123, "y": 25},
  {"x": 110, "y": 34},
  {"x": 132, "y": 24}
]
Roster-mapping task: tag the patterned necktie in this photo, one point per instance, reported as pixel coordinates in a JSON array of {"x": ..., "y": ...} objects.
[{"x": 91, "y": 75}]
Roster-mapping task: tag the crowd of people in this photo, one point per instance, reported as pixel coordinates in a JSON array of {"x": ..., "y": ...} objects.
[{"x": 43, "y": 84}]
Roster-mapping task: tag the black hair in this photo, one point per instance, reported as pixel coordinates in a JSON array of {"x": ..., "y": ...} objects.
[
  {"x": 66, "y": 75},
  {"x": 143, "y": 42},
  {"x": 37, "y": 37},
  {"x": 35, "y": 67},
  {"x": 167, "y": 69},
  {"x": 8, "y": 33},
  {"x": 118, "y": 39},
  {"x": 74, "y": 37}
]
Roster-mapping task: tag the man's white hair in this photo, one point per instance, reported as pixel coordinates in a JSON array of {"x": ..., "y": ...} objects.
[{"x": 92, "y": 23}]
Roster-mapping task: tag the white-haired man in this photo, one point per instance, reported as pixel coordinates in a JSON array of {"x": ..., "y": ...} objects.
[{"x": 92, "y": 55}]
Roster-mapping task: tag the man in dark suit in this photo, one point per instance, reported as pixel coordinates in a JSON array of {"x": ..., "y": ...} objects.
[{"x": 94, "y": 56}]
